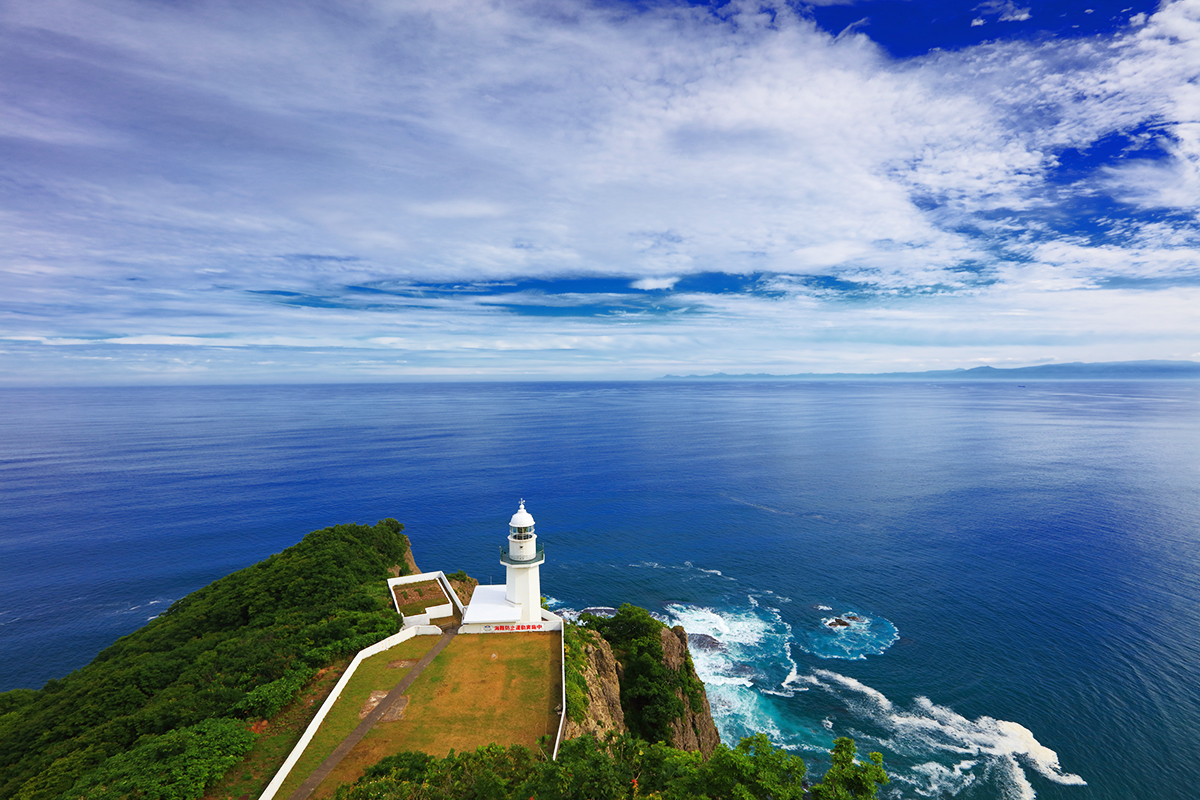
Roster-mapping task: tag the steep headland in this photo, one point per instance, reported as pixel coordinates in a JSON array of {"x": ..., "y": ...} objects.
[
  {"x": 630, "y": 673},
  {"x": 168, "y": 709},
  {"x": 212, "y": 694}
]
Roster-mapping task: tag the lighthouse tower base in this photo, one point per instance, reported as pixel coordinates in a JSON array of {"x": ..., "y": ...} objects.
[{"x": 490, "y": 612}]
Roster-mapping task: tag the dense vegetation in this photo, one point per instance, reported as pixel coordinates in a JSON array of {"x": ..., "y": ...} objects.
[
  {"x": 648, "y": 686},
  {"x": 574, "y": 641},
  {"x": 848, "y": 778},
  {"x": 162, "y": 712},
  {"x": 617, "y": 767}
]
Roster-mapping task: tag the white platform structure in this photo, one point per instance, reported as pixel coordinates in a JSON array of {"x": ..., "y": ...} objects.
[
  {"x": 436, "y": 611},
  {"x": 517, "y": 604}
]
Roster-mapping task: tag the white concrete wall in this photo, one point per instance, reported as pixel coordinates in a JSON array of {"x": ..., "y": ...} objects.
[
  {"x": 548, "y": 623},
  {"x": 562, "y": 717},
  {"x": 435, "y": 612},
  {"x": 311, "y": 730},
  {"x": 431, "y": 612}
]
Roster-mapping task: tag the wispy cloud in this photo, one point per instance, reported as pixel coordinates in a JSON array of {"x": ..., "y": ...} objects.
[{"x": 371, "y": 177}]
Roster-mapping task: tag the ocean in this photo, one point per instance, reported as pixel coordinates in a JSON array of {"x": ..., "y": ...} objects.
[{"x": 1018, "y": 565}]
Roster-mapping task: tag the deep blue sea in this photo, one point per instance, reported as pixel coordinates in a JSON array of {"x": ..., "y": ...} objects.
[{"x": 1022, "y": 561}]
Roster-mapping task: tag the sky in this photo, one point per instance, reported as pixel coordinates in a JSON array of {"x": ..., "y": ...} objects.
[{"x": 378, "y": 190}]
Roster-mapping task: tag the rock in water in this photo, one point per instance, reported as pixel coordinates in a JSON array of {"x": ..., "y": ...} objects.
[{"x": 702, "y": 641}]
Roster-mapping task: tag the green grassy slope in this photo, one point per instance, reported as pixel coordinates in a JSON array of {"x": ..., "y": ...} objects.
[{"x": 163, "y": 711}]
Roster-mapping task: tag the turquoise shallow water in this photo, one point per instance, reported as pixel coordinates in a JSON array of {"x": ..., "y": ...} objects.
[{"x": 1022, "y": 561}]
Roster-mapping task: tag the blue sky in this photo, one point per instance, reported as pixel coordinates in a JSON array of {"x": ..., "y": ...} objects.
[{"x": 372, "y": 190}]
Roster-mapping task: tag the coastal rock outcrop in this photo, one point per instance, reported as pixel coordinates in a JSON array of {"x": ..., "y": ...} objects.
[
  {"x": 603, "y": 675},
  {"x": 702, "y": 641},
  {"x": 695, "y": 730},
  {"x": 604, "y": 712}
]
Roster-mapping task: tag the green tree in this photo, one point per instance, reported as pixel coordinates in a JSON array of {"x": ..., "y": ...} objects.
[
  {"x": 587, "y": 768},
  {"x": 849, "y": 779},
  {"x": 648, "y": 688},
  {"x": 175, "y": 766}
]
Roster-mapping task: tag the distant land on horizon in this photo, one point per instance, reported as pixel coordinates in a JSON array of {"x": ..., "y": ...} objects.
[{"x": 1111, "y": 370}]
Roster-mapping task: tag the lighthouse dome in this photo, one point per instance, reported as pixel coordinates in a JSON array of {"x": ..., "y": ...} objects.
[{"x": 521, "y": 519}]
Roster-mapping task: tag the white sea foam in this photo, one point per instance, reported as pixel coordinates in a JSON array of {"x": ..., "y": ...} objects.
[
  {"x": 795, "y": 679},
  {"x": 789, "y": 685},
  {"x": 874, "y": 695},
  {"x": 725, "y": 680},
  {"x": 937, "y": 780},
  {"x": 727, "y": 628},
  {"x": 751, "y": 643},
  {"x": 932, "y": 751},
  {"x": 992, "y": 747}
]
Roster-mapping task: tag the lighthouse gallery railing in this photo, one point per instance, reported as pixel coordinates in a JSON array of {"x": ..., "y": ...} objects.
[{"x": 538, "y": 555}]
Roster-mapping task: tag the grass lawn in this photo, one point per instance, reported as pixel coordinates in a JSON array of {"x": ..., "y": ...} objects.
[
  {"x": 483, "y": 688},
  {"x": 372, "y": 674}
]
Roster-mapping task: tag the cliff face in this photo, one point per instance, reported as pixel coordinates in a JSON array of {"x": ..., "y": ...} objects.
[
  {"x": 696, "y": 729},
  {"x": 463, "y": 587},
  {"x": 603, "y": 692}
]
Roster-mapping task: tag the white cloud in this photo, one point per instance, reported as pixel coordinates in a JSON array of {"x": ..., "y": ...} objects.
[
  {"x": 179, "y": 158},
  {"x": 1004, "y": 10},
  {"x": 648, "y": 284}
]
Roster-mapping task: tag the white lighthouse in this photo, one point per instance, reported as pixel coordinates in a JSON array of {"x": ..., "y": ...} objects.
[
  {"x": 516, "y": 605},
  {"x": 524, "y": 555}
]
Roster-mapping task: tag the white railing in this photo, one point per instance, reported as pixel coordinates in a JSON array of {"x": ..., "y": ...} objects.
[{"x": 562, "y": 718}]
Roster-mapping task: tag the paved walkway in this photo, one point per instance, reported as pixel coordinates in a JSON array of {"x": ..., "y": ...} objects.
[{"x": 356, "y": 735}]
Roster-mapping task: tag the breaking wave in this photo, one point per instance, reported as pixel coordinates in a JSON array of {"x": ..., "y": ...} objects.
[
  {"x": 763, "y": 672},
  {"x": 972, "y": 751},
  {"x": 747, "y": 655}
]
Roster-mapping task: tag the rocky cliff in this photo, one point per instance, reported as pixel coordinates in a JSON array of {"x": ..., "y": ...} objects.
[
  {"x": 602, "y": 674},
  {"x": 696, "y": 729}
]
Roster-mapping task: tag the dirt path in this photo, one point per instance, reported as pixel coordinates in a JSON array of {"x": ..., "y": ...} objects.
[{"x": 369, "y": 721}]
